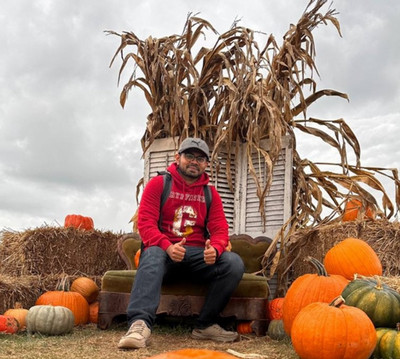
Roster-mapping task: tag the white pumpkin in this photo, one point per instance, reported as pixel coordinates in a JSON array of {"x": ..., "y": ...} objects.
[{"x": 49, "y": 320}]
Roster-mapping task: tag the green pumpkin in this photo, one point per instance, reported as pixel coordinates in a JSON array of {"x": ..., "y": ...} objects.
[
  {"x": 380, "y": 302},
  {"x": 276, "y": 330},
  {"x": 388, "y": 343},
  {"x": 49, "y": 320}
]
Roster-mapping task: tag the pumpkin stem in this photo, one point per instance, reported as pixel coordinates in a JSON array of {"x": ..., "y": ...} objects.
[
  {"x": 63, "y": 284},
  {"x": 377, "y": 279},
  {"x": 337, "y": 302},
  {"x": 378, "y": 282},
  {"x": 321, "y": 271},
  {"x": 18, "y": 305}
]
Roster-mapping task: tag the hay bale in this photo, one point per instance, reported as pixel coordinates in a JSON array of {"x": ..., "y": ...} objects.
[
  {"x": 383, "y": 236},
  {"x": 27, "y": 288},
  {"x": 392, "y": 281},
  {"x": 24, "y": 289},
  {"x": 56, "y": 250}
]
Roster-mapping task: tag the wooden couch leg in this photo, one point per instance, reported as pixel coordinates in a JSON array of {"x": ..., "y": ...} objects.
[
  {"x": 259, "y": 327},
  {"x": 104, "y": 320}
]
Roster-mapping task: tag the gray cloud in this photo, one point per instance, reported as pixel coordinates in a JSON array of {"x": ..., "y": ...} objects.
[{"x": 66, "y": 146}]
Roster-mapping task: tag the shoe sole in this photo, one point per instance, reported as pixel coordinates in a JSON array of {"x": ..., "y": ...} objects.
[
  {"x": 130, "y": 345},
  {"x": 215, "y": 339}
]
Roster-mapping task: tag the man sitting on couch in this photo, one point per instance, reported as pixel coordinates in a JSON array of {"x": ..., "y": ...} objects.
[{"x": 178, "y": 246}]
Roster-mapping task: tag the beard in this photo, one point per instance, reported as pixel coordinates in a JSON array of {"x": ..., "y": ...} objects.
[{"x": 191, "y": 171}]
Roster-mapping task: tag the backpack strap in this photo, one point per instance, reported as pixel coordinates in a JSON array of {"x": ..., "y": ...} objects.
[
  {"x": 167, "y": 184},
  {"x": 208, "y": 198}
]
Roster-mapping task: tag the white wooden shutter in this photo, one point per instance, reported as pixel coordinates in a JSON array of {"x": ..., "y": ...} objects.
[
  {"x": 220, "y": 181},
  {"x": 241, "y": 206},
  {"x": 277, "y": 204},
  {"x": 158, "y": 157}
]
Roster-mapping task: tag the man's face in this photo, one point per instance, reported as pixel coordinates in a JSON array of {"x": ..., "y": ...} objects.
[{"x": 191, "y": 164}]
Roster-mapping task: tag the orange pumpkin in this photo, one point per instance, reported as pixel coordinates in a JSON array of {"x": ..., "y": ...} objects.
[
  {"x": 136, "y": 260},
  {"x": 354, "y": 209},
  {"x": 8, "y": 324},
  {"x": 310, "y": 288},
  {"x": 19, "y": 313},
  {"x": 244, "y": 328},
  {"x": 333, "y": 331},
  {"x": 352, "y": 256},
  {"x": 193, "y": 353},
  {"x": 87, "y": 287},
  {"x": 78, "y": 221},
  {"x": 274, "y": 308},
  {"x": 94, "y": 312},
  {"x": 71, "y": 300}
]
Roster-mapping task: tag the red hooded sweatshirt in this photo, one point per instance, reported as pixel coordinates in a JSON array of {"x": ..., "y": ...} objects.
[{"x": 183, "y": 214}]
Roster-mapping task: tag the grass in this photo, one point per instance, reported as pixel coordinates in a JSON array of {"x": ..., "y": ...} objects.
[{"x": 90, "y": 342}]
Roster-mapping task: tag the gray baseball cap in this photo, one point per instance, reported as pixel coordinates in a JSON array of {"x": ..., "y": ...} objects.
[{"x": 194, "y": 143}]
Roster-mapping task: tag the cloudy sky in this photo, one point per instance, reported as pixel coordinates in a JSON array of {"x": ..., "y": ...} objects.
[{"x": 66, "y": 145}]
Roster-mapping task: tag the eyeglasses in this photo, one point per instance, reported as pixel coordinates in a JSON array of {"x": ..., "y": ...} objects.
[{"x": 199, "y": 159}]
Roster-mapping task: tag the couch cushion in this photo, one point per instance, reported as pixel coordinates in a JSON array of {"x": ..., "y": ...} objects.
[{"x": 252, "y": 286}]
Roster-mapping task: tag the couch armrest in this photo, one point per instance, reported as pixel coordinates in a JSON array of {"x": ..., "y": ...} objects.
[
  {"x": 251, "y": 250},
  {"x": 127, "y": 247}
]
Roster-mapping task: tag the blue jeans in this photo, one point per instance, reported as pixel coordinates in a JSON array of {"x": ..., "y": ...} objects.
[{"x": 156, "y": 266}]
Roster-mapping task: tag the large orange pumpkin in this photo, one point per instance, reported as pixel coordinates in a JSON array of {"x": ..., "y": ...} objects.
[
  {"x": 193, "y": 353},
  {"x": 78, "y": 221},
  {"x": 87, "y": 287},
  {"x": 310, "y": 288},
  {"x": 333, "y": 331},
  {"x": 19, "y": 313},
  {"x": 354, "y": 209},
  {"x": 71, "y": 300},
  {"x": 352, "y": 256}
]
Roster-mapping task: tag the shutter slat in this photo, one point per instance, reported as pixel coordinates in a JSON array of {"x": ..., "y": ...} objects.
[{"x": 275, "y": 200}]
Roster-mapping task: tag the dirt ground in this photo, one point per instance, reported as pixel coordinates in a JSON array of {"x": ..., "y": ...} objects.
[{"x": 91, "y": 342}]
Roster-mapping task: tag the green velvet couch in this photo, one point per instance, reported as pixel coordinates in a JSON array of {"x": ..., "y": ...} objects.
[{"x": 248, "y": 302}]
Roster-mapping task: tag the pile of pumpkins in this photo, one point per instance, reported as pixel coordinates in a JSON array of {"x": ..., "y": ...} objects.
[
  {"x": 55, "y": 312},
  {"x": 342, "y": 312}
]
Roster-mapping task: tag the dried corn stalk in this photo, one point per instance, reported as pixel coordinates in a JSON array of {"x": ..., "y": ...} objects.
[{"x": 236, "y": 92}]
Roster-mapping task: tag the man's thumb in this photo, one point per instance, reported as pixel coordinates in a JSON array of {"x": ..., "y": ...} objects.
[
  {"x": 182, "y": 242},
  {"x": 208, "y": 243}
]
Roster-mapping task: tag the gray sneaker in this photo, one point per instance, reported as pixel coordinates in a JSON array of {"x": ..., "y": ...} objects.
[
  {"x": 215, "y": 333},
  {"x": 136, "y": 337}
]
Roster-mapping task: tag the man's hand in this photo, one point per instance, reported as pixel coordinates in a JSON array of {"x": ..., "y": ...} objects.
[
  {"x": 210, "y": 253},
  {"x": 177, "y": 251}
]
